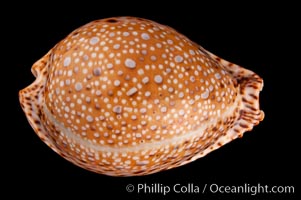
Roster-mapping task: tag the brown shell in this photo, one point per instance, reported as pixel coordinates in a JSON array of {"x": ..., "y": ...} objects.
[{"x": 127, "y": 96}]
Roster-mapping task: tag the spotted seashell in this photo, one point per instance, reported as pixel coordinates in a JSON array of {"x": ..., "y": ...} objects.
[{"x": 127, "y": 96}]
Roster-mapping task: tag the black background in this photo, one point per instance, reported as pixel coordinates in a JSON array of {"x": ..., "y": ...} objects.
[{"x": 256, "y": 37}]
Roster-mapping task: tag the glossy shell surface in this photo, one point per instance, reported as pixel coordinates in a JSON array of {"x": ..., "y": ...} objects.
[{"x": 128, "y": 96}]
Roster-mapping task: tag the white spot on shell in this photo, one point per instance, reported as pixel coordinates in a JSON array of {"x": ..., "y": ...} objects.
[
  {"x": 217, "y": 76},
  {"x": 119, "y": 73},
  {"x": 97, "y": 71},
  {"x": 144, "y": 52},
  {"x": 98, "y": 93},
  {"x": 68, "y": 82},
  {"x": 89, "y": 118},
  {"x": 205, "y": 94},
  {"x": 67, "y": 61},
  {"x": 69, "y": 73},
  {"x": 131, "y": 91},
  {"x": 192, "y": 78},
  {"x": 163, "y": 109},
  {"x": 140, "y": 72},
  {"x": 181, "y": 112},
  {"x": 130, "y": 63},
  {"x": 181, "y": 95},
  {"x": 153, "y": 58},
  {"x": 179, "y": 59},
  {"x": 143, "y": 110},
  {"x": 147, "y": 93},
  {"x": 141, "y": 163},
  {"x": 158, "y": 79},
  {"x": 158, "y": 45},
  {"x": 191, "y": 101},
  {"x": 67, "y": 109},
  {"x": 78, "y": 86},
  {"x": 191, "y": 52},
  {"x": 116, "y": 83},
  {"x": 145, "y": 36},
  {"x": 109, "y": 65},
  {"x": 145, "y": 80},
  {"x": 117, "y": 109},
  {"x": 116, "y": 46},
  {"x": 126, "y": 34},
  {"x": 153, "y": 127},
  {"x": 94, "y": 40},
  {"x": 170, "y": 89}
]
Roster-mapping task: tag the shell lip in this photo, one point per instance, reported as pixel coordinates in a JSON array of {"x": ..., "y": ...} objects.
[{"x": 31, "y": 100}]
